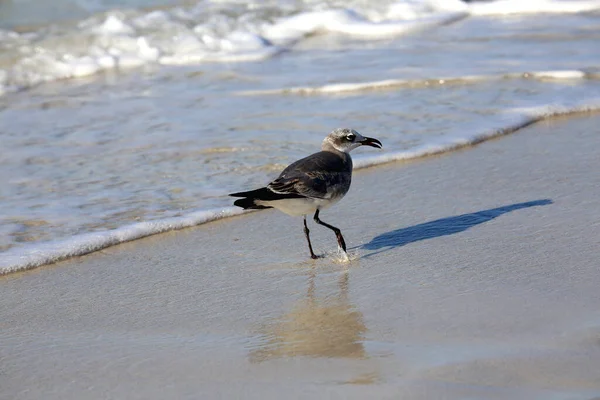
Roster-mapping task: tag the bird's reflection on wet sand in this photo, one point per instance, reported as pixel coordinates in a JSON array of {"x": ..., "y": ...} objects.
[{"x": 317, "y": 326}]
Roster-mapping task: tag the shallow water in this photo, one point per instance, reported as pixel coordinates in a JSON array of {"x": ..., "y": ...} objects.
[{"x": 102, "y": 152}]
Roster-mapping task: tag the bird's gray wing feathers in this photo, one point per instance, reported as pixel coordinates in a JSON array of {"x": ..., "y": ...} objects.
[
  {"x": 304, "y": 186},
  {"x": 319, "y": 175}
]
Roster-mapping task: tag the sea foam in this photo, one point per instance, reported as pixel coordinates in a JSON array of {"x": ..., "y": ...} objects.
[
  {"x": 506, "y": 123},
  {"x": 117, "y": 40},
  {"x": 39, "y": 254},
  {"x": 349, "y": 87}
]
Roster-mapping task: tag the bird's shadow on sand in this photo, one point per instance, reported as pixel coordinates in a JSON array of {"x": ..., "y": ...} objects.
[{"x": 442, "y": 227}]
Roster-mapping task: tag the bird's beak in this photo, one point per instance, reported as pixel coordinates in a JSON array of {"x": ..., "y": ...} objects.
[{"x": 371, "y": 142}]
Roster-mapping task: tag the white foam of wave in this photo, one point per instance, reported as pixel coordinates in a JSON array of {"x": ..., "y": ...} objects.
[
  {"x": 511, "y": 121},
  {"x": 330, "y": 88},
  {"x": 506, "y": 123},
  {"x": 36, "y": 255},
  {"x": 397, "y": 83},
  {"x": 565, "y": 74},
  {"x": 202, "y": 33},
  {"x": 541, "y": 112},
  {"x": 506, "y": 7},
  {"x": 205, "y": 33},
  {"x": 117, "y": 40},
  {"x": 350, "y": 23}
]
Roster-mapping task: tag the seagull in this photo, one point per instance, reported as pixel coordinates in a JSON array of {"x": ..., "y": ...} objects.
[{"x": 312, "y": 183}]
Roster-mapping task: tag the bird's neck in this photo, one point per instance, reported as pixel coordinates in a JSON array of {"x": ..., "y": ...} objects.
[{"x": 327, "y": 146}]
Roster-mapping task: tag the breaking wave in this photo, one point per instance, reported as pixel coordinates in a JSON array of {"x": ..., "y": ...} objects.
[{"x": 223, "y": 32}]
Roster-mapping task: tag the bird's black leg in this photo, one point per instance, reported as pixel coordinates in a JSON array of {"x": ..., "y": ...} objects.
[
  {"x": 306, "y": 233},
  {"x": 338, "y": 233}
]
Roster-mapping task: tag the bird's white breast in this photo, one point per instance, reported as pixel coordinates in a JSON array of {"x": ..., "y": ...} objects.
[{"x": 299, "y": 207}]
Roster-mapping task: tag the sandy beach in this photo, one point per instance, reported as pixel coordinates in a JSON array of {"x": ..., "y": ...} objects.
[{"x": 476, "y": 276}]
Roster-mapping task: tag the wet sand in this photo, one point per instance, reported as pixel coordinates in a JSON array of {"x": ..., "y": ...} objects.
[{"x": 477, "y": 277}]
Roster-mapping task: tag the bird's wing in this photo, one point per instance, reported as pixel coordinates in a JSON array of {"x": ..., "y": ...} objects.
[
  {"x": 303, "y": 186},
  {"x": 311, "y": 176}
]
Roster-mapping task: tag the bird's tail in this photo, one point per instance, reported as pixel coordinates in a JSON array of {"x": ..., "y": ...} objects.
[
  {"x": 258, "y": 193},
  {"x": 250, "y": 197},
  {"x": 248, "y": 203}
]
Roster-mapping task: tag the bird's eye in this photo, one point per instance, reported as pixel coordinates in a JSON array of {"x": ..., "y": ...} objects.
[{"x": 351, "y": 137}]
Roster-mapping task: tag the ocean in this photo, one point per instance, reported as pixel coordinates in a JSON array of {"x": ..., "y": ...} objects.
[{"x": 122, "y": 119}]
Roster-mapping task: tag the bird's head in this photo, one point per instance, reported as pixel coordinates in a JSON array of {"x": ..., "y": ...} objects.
[{"x": 345, "y": 140}]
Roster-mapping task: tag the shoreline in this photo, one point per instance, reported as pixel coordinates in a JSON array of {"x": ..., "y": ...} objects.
[
  {"x": 46, "y": 253},
  {"x": 476, "y": 277}
]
